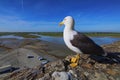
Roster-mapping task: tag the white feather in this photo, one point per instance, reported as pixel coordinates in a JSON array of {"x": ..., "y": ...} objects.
[{"x": 68, "y": 36}]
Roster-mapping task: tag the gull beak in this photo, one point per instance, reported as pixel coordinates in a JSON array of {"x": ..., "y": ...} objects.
[{"x": 61, "y": 23}]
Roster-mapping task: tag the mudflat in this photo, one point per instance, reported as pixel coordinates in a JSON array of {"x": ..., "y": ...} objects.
[{"x": 15, "y": 52}]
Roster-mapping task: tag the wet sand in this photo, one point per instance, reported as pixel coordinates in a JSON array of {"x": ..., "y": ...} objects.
[{"x": 17, "y": 55}]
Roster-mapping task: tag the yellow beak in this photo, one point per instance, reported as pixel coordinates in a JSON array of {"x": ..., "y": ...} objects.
[{"x": 61, "y": 23}]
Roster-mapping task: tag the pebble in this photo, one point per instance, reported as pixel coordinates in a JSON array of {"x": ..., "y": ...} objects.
[
  {"x": 73, "y": 73},
  {"x": 60, "y": 76}
]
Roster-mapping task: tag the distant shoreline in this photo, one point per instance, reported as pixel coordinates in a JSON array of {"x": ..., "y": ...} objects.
[{"x": 60, "y": 34}]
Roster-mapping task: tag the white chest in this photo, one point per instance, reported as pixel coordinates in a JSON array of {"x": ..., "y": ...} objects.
[{"x": 68, "y": 36}]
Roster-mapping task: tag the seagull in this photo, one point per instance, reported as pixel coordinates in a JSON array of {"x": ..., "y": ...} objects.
[{"x": 78, "y": 42}]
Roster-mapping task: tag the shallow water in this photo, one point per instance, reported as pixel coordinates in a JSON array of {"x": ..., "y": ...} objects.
[
  {"x": 98, "y": 40},
  {"x": 104, "y": 40},
  {"x": 12, "y": 36},
  {"x": 59, "y": 40}
]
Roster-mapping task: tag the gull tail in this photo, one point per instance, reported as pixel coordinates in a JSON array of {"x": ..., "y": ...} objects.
[{"x": 111, "y": 58}]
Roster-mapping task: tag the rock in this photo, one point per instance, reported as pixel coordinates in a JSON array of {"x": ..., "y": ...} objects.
[
  {"x": 55, "y": 66},
  {"x": 99, "y": 76},
  {"x": 45, "y": 77},
  {"x": 111, "y": 72},
  {"x": 98, "y": 66},
  {"x": 86, "y": 74},
  {"x": 61, "y": 76},
  {"x": 43, "y": 62},
  {"x": 114, "y": 47},
  {"x": 87, "y": 66},
  {"x": 72, "y": 73},
  {"x": 57, "y": 76}
]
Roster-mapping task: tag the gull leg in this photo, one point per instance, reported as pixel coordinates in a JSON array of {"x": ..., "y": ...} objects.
[{"x": 75, "y": 60}]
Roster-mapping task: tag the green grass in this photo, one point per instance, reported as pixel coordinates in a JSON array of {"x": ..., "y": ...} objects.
[
  {"x": 102, "y": 34},
  {"x": 22, "y": 34},
  {"x": 26, "y": 35},
  {"x": 91, "y": 34},
  {"x": 56, "y": 34},
  {"x": 4, "y": 33}
]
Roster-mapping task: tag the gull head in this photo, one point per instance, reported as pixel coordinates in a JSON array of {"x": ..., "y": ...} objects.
[{"x": 68, "y": 22}]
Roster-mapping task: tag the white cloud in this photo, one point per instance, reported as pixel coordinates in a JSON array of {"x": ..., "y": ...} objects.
[{"x": 14, "y": 23}]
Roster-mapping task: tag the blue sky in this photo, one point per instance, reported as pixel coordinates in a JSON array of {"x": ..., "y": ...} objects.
[{"x": 45, "y": 15}]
